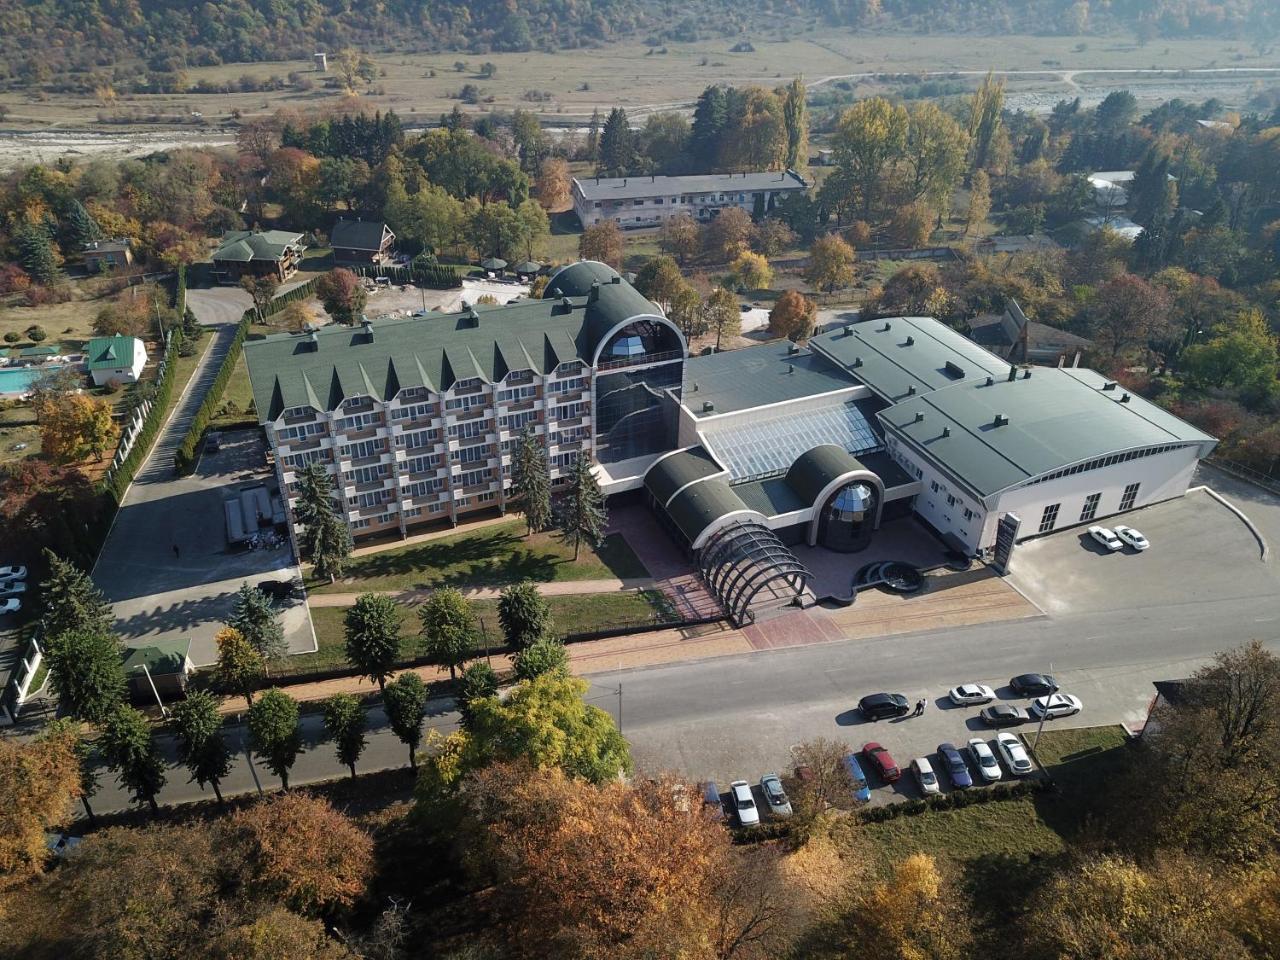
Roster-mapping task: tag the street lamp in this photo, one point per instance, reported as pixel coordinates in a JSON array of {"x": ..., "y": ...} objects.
[
  {"x": 1044, "y": 714},
  {"x": 163, "y": 711}
]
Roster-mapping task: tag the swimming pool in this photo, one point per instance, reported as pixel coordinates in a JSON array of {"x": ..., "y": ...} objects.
[{"x": 15, "y": 381}]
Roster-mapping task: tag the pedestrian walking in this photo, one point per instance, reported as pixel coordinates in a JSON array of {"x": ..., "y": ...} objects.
[
  {"x": 919, "y": 708},
  {"x": 924, "y": 705}
]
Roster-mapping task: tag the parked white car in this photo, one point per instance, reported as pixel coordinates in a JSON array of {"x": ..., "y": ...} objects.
[
  {"x": 1055, "y": 705},
  {"x": 1132, "y": 537},
  {"x": 971, "y": 694},
  {"x": 1107, "y": 538},
  {"x": 1014, "y": 753},
  {"x": 925, "y": 776},
  {"x": 10, "y": 588},
  {"x": 10, "y": 606},
  {"x": 744, "y": 804},
  {"x": 986, "y": 762},
  {"x": 13, "y": 573}
]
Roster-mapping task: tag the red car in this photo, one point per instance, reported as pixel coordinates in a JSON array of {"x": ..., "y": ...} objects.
[{"x": 880, "y": 759}]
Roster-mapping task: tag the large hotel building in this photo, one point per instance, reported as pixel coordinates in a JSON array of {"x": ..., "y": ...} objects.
[{"x": 742, "y": 455}]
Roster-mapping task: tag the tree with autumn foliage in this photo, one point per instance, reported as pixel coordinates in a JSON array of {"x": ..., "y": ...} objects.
[
  {"x": 679, "y": 236},
  {"x": 38, "y": 781},
  {"x": 552, "y": 185},
  {"x": 604, "y": 242},
  {"x": 298, "y": 850},
  {"x": 74, "y": 425},
  {"x": 728, "y": 236},
  {"x": 585, "y": 870},
  {"x": 342, "y": 294},
  {"x": 916, "y": 913},
  {"x": 830, "y": 263},
  {"x": 792, "y": 316}
]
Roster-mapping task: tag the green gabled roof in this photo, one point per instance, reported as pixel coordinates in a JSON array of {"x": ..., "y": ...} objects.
[
  {"x": 108, "y": 353},
  {"x": 243, "y": 246},
  {"x": 162, "y": 658},
  {"x": 45, "y": 350},
  {"x": 774, "y": 372},
  {"x": 674, "y": 471},
  {"x": 900, "y": 357},
  {"x": 323, "y": 368},
  {"x": 1053, "y": 419},
  {"x": 357, "y": 234}
]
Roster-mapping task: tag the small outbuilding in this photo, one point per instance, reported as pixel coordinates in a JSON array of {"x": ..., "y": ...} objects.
[
  {"x": 108, "y": 255},
  {"x": 117, "y": 358},
  {"x": 168, "y": 664},
  {"x": 361, "y": 242}
]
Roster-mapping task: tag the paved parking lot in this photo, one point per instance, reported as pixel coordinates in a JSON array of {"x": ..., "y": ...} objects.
[
  {"x": 1200, "y": 550},
  {"x": 167, "y": 567}
]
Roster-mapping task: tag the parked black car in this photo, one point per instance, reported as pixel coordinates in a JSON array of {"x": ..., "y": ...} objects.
[
  {"x": 280, "y": 589},
  {"x": 1033, "y": 684},
  {"x": 1003, "y": 715},
  {"x": 879, "y": 706}
]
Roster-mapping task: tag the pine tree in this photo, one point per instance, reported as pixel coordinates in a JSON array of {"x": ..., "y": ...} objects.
[
  {"x": 201, "y": 747},
  {"x": 531, "y": 481},
  {"x": 36, "y": 254},
  {"x": 582, "y": 510},
  {"x": 617, "y": 144},
  {"x": 81, "y": 228},
  {"x": 70, "y": 600},
  {"x": 127, "y": 747},
  {"x": 254, "y": 619},
  {"x": 324, "y": 539},
  {"x": 710, "y": 117},
  {"x": 373, "y": 637},
  {"x": 593, "y": 136},
  {"x": 86, "y": 673}
]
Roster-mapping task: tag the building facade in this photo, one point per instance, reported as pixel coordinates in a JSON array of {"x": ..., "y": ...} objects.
[
  {"x": 634, "y": 202},
  {"x": 417, "y": 419},
  {"x": 361, "y": 243},
  {"x": 254, "y": 253},
  {"x": 119, "y": 358}
]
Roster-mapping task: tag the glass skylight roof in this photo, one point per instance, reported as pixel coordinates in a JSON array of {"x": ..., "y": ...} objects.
[{"x": 768, "y": 446}]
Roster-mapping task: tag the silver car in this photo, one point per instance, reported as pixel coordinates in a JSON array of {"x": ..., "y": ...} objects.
[
  {"x": 1014, "y": 753},
  {"x": 744, "y": 804},
  {"x": 986, "y": 762},
  {"x": 774, "y": 796}
]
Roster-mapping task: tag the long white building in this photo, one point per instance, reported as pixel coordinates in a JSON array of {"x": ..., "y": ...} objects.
[{"x": 646, "y": 201}]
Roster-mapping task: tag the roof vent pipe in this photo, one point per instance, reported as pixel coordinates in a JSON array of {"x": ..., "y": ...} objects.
[
  {"x": 946, "y": 431},
  {"x": 791, "y": 368},
  {"x": 1109, "y": 385},
  {"x": 911, "y": 390},
  {"x": 991, "y": 381},
  {"x": 1026, "y": 375},
  {"x": 1124, "y": 398},
  {"x": 919, "y": 418},
  {"x": 887, "y": 327},
  {"x": 911, "y": 341},
  {"x": 707, "y": 406},
  {"x": 857, "y": 362}
]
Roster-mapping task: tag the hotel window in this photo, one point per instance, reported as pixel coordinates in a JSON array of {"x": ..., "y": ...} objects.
[
  {"x": 371, "y": 499},
  {"x": 658, "y": 201},
  {"x": 298, "y": 432},
  {"x": 367, "y": 474},
  {"x": 517, "y": 421},
  {"x": 473, "y": 454},
  {"x": 968, "y": 514},
  {"x": 1130, "y": 496},
  {"x": 570, "y": 410},
  {"x": 951, "y": 501},
  {"x": 486, "y": 497},
  {"x": 465, "y": 431},
  {"x": 416, "y": 441},
  {"x": 413, "y": 512},
  {"x": 472, "y": 478},
  {"x": 1049, "y": 518},
  {"x": 439, "y": 507},
  {"x": 933, "y": 485},
  {"x": 365, "y": 448},
  {"x": 411, "y": 413},
  {"x": 420, "y": 465},
  {"x": 359, "y": 524},
  {"x": 466, "y": 403},
  {"x": 1090, "y": 506},
  {"x": 516, "y": 394},
  {"x": 572, "y": 385}
]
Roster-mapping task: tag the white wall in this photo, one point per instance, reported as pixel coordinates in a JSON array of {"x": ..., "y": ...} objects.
[
  {"x": 1162, "y": 477},
  {"x": 933, "y": 505}
]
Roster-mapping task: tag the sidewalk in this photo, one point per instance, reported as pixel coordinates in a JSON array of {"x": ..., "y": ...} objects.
[
  {"x": 592, "y": 656},
  {"x": 435, "y": 534},
  {"x": 559, "y": 588}
]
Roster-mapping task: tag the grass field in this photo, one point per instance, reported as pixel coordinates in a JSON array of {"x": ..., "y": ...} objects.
[
  {"x": 584, "y": 613},
  {"x": 238, "y": 397},
  {"x": 628, "y": 75},
  {"x": 69, "y": 324},
  {"x": 1014, "y": 830},
  {"x": 490, "y": 556}
]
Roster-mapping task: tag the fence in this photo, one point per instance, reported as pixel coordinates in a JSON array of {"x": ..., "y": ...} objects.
[
  {"x": 435, "y": 276},
  {"x": 20, "y": 686},
  {"x": 1268, "y": 481}
]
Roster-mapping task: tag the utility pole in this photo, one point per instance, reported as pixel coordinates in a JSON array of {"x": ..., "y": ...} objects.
[
  {"x": 1044, "y": 714},
  {"x": 619, "y": 706},
  {"x": 163, "y": 711}
]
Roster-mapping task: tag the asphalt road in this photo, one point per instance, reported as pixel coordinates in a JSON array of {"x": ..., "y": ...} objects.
[{"x": 737, "y": 717}]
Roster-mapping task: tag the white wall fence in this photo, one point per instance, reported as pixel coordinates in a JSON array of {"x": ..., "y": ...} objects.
[{"x": 129, "y": 432}]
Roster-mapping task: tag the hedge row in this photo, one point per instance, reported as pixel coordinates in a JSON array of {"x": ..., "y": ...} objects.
[
  {"x": 184, "y": 461},
  {"x": 436, "y": 276},
  {"x": 124, "y": 474},
  {"x": 956, "y": 799}
]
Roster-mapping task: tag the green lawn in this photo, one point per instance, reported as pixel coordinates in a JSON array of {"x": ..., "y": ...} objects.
[
  {"x": 1014, "y": 830},
  {"x": 490, "y": 556},
  {"x": 237, "y": 399},
  {"x": 582, "y": 613}
]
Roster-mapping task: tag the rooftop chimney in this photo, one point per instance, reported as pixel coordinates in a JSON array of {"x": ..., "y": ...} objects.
[
  {"x": 792, "y": 349},
  {"x": 567, "y": 303},
  {"x": 594, "y": 293},
  {"x": 848, "y": 330},
  {"x": 857, "y": 362}
]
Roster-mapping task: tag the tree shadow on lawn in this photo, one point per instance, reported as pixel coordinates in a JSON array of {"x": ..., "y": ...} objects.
[{"x": 483, "y": 558}]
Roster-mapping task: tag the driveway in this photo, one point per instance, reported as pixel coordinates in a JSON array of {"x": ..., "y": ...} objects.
[{"x": 166, "y": 565}]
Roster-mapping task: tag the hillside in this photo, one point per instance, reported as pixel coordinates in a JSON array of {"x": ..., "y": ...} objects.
[{"x": 50, "y": 41}]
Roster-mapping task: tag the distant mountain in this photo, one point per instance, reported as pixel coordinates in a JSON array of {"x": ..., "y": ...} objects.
[{"x": 43, "y": 40}]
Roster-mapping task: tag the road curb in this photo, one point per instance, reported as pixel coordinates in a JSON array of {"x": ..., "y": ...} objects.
[{"x": 1244, "y": 518}]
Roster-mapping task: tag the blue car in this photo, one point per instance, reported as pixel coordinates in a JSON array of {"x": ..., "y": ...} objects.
[
  {"x": 953, "y": 763},
  {"x": 861, "y": 792}
]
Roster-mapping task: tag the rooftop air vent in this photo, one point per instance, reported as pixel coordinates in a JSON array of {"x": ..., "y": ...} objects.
[
  {"x": 1013, "y": 374},
  {"x": 848, "y": 330},
  {"x": 919, "y": 417},
  {"x": 1026, "y": 374},
  {"x": 911, "y": 342},
  {"x": 953, "y": 369},
  {"x": 887, "y": 327},
  {"x": 1109, "y": 385},
  {"x": 1000, "y": 421},
  {"x": 911, "y": 390},
  {"x": 568, "y": 304},
  {"x": 465, "y": 306},
  {"x": 991, "y": 381},
  {"x": 791, "y": 368},
  {"x": 707, "y": 406},
  {"x": 946, "y": 431},
  {"x": 857, "y": 362},
  {"x": 1124, "y": 398},
  {"x": 792, "y": 350},
  {"x": 615, "y": 279}
]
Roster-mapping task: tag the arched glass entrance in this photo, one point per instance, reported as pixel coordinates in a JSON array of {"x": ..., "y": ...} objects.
[{"x": 848, "y": 518}]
